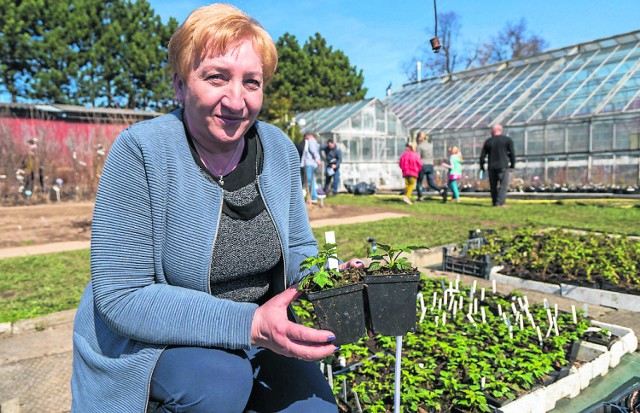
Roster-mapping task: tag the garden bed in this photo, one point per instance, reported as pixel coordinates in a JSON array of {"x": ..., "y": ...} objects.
[
  {"x": 592, "y": 268},
  {"x": 476, "y": 351}
]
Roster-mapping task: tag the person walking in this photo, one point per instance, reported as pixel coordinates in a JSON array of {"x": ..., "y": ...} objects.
[
  {"x": 502, "y": 160},
  {"x": 333, "y": 158},
  {"x": 455, "y": 171},
  {"x": 410, "y": 165},
  {"x": 425, "y": 150},
  {"x": 310, "y": 162}
]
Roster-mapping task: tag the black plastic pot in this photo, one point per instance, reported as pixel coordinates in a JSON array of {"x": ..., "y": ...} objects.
[
  {"x": 391, "y": 303},
  {"x": 341, "y": 311}
]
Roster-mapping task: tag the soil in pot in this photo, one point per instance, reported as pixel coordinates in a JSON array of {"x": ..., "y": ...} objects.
[
  {"x": 341, "y": 311},
  {"x": 391, "y": 303}
]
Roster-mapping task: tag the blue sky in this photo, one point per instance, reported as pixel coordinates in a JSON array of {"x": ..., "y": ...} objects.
[{"x": 381, "y": 36}]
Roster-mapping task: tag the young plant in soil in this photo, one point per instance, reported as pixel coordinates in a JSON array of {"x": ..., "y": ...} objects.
[
  {"x": 337, "y": 297},
  {"x": 391, "y": 287}
]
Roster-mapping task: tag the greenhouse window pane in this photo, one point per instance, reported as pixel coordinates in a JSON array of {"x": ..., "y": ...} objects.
[
  {"x": 578, "y": 138},
  {"x": 602, "y": 136},
  {"x": 535, "y": 144},
  {"x": 367, "y": 149},
  {"x": 627, "y": 133},
  {"x": 555, "y": 140}
]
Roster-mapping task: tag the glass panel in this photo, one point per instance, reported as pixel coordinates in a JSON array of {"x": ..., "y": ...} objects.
[
  {"x": 555, "y": 140},
  {"x": 517, "y": 135},
  {"x": 368, "y": 120},
  {"x": 602, "y": 169},
  {"x": 356, "y": 121},
  {"x": 578, "y": 138},
  {"x": 577, "y": 169},
  {"x": 535, "y": 138},
  {"x": 367, "y": 149},
  {"x": 557, "y": 169},
  {"x": 602, "y": 136},
  {"x": 380, "y": 118},
  {"x": 627, "y": 133}
]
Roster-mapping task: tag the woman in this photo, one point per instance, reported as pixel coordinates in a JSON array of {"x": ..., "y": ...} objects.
[
  {"x": 199, "y": 228},
  {"x": 455, "y": 171},
  {"x": 410, "y": 165}
]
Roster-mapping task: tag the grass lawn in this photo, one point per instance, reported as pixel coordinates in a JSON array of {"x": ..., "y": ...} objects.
[{"x": 37, "y": 285}]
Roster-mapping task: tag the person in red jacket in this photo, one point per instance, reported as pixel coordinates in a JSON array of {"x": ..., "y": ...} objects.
[{"x": 410, "y": 165}]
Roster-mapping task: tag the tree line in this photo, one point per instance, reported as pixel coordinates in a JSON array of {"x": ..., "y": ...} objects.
[{"x": 114, "y": 54}]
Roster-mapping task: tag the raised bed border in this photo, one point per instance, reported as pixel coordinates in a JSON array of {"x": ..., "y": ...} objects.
[
  {"x": 595, "y": 296},
  {"x": 544, "y": 399}
]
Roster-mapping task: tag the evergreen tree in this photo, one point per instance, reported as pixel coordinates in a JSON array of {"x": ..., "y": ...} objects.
[{"x": 333, "y": 80}]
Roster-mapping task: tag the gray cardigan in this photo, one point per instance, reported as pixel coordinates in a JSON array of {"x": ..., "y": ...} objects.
[{"x": 153, "y": 232}]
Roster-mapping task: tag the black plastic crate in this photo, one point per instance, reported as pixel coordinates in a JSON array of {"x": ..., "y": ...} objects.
[{"x": 463, "y": 264}]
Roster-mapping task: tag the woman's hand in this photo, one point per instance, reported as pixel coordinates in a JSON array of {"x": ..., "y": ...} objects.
[
  {"x": 272, "y": 329},
  {"x": 352, "y": 263}
]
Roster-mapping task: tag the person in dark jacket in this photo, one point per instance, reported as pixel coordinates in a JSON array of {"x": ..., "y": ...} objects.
[
  {"x": 333, "y": 158},
  {"x": 502, "y": 160}
]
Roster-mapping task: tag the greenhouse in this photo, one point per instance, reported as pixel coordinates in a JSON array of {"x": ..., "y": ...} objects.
[
  {"x": 573, "y": 113},
  {"x": 370, "y": 136}
]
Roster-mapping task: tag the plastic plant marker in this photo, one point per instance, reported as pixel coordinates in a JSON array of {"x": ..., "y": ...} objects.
[
  {"x": 435, "y": 296},
  {"x": 398, "y": 375},
  {"x": 545, "y": 303},
  {"x": 444, "y": 318},
  {"x": 483, "y": 382},
  {"x": 470, "y": 318},
  {"x": 357, "y": 399},
  {"x": 520, "y": 303},
  {"x": 573, "y": 313},
  {"x": 482, "y": 313},
  {"x": 455, "y": 308},
  {"x": 526, "y": 301},
  {"x": 482, "y": 294},
  {"x": 475, "y": 306},
  {"x": 539, "y": 335},
  {"x": 330, "y": 374},
  {"x": 493, "y": 286},
  {"x": 514, "y": 309},
  {"x": 437, "y": 320},
  {"x": 510, "y": 332},
  {"x": 475, "y": 286},
  {"x": 499, "y": 309},
  {"x": 439, "y": 304},
  {"x": 330, "y": 238},
  {"x": 555, "y": 309}
]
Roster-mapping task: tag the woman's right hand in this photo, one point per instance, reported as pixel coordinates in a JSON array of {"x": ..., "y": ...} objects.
[{"x": 272, "y": 329}]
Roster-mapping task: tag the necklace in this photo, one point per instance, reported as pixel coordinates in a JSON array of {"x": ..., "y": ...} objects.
[{"x": 211, "y": 166}]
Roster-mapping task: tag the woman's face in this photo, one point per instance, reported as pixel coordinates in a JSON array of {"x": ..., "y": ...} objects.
[{"x": 223, "y": 95}]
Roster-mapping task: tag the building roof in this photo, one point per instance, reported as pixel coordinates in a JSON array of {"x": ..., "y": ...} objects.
[
  {"x": 597, "y": 78},
  {"x": 75, "y": 113}
]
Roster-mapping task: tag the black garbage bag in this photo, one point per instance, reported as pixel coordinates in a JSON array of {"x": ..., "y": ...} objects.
[{"x": 361, "y": 188}]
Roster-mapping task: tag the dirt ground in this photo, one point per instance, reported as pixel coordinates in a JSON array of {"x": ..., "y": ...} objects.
[{"x": 71, "y": 221}]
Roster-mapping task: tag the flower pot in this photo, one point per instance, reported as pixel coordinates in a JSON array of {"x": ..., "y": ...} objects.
[
  {"x": 391, "y": 303},
  {"x": 341, "y": 311}
]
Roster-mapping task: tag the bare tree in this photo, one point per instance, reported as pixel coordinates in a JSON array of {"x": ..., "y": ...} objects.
[
  {"x": 512, "y": 42},
  {"x": 444, "y": 62}
]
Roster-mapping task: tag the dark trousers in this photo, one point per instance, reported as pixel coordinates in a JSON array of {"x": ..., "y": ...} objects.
[
  {"x": 333, "y": 181},
  {"x": 426, "y": 171},
  {"x": 204, "y": 380},
  {"x": 499, "y": 182}
]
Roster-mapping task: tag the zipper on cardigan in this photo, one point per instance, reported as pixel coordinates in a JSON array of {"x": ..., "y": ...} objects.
[
  {"x": 284, "y": 258},
  {"x": 215, "y": 238}
]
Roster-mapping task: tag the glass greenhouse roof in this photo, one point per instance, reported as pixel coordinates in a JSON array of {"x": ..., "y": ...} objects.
[
  {"x": 370, "y": 116},
  {"x": 595, "y": 78}
]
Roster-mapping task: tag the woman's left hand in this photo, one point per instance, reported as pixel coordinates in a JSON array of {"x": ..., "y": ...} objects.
[{"x": 352, "y": 263}]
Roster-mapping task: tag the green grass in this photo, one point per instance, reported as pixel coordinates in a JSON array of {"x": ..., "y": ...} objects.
[
  {"x": 37, "y": 285},
  {"x": 41, "y": 284}
]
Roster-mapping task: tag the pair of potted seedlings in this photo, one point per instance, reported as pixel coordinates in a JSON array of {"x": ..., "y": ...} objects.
[{"x": 380, "y": 299}]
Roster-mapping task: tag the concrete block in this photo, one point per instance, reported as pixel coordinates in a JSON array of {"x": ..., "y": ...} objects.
[
  {"x": 605, "y": 298},
  {"x": 533, "y": 402},
  {"x": 525, "y": 284}
]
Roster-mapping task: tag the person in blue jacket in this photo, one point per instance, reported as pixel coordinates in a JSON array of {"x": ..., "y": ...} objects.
[{"x": 198, "y": 232}]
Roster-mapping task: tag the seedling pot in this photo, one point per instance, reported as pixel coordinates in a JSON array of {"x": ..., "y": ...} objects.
[
  {"x": 341, "y": 310},
  {"x": 391, "y": 303}
]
